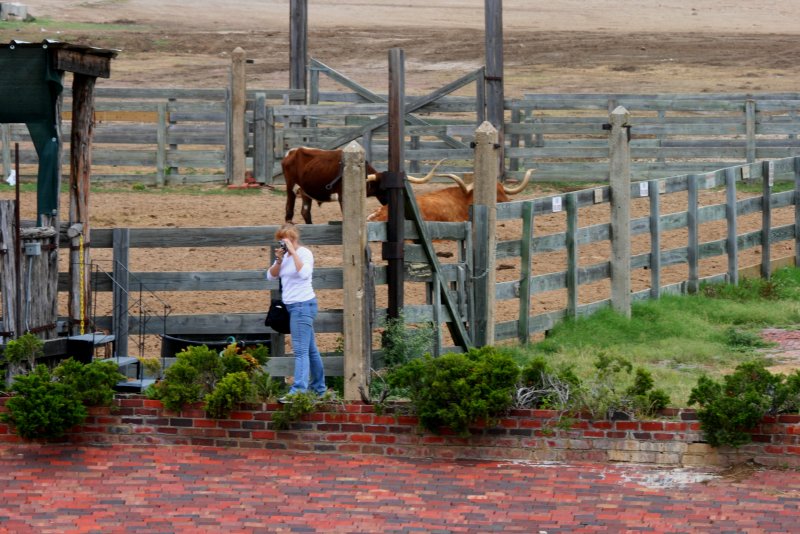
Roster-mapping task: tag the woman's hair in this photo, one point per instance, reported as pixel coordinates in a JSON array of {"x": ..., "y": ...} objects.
[{"x": 288, "y": 230}]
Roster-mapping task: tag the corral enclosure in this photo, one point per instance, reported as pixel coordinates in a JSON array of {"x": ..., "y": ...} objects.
[{"x": 735, "y": 135}]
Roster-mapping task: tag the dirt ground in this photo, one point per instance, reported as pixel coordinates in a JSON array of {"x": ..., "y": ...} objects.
[{"x": 636, "y": 46}]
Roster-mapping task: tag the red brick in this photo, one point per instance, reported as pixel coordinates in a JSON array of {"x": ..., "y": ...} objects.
[
  {"x": 205, "y": 423},
  {"x": 772, "y": 449},
  {"x": 672, "y": 426},
  {"x": 663, "y": 436},
  {"x": 241, "y": 416},
  {"x": 359, "y": 418},
  {"x": 789, "y": 418},
  {"x": 361, "y": 438},
  {"x": 376, "y": 429},
  {"x": 433, "y": 440},
  {"x": 530, "y": 423},
  {"x": 407, "y": 420},
  {"x": 263, "y": 434},
  {"x": 336, "y": 437},
  {"x": 385, "y": 439},
  {"x": 349, "y": 448},
  {"x": 384, "y": 420},
  {"x": 603, "y": 425},
  {"x": 335, "y": 418},
  {"x": 131, "y": 403},
  {"x": 651, "y": 426},
  {"x": 626, "y": 425},
  {"x": 152, "y": 403}
]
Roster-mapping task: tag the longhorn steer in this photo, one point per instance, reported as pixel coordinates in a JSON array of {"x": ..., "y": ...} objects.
[
  {"x": 316, "y": 175},
  {"x": 451, "y": 204}
]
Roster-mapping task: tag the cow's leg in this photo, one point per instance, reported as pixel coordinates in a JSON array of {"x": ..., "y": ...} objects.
[
  {"x": 291, "y": 197},
  {"x": 305, "y": 211}
]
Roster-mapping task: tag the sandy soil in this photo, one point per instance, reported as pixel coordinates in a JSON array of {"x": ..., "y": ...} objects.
[{"x": 566, "y": 46}]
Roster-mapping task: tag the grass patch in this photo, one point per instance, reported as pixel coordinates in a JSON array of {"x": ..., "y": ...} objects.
[{"x": 679, "y": 338}]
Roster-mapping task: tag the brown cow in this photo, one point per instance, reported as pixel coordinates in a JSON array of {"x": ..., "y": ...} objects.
[
  {"x": 316, "y": 175},
  {"x": 451, "y": 204}
]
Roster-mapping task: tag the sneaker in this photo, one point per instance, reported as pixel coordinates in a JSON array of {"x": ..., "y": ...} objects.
[{"x": 286, "y": 399}]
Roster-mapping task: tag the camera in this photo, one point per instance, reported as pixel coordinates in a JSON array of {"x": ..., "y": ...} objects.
[{"x": 282, "y": 245}]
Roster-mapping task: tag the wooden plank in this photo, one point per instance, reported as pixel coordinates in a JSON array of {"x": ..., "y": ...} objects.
[
  {"x": 572, "y": 256},
  {"x": 121, "y": 289}
]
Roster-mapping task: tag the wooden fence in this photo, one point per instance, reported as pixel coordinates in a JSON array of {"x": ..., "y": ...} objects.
[{"x": 179, "y": 136}]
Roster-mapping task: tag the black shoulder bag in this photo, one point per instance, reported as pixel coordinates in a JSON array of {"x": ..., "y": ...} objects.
[{"x": 278, "y": 316}]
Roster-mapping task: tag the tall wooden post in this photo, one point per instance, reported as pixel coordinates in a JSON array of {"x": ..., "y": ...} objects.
[
  {"x": 354, "y": 243},
  {"x": 393, "y": 247},
  {"x": 484, "y": 232},
  {"x": 298, "y": 46},
  {"x": 238, "y": 102},
  {"x": 79, "y": 180},
  {"x": 8, "y": 270},
  {"x": 495, "y": 114},
  {"x": 620, "y": 182}
]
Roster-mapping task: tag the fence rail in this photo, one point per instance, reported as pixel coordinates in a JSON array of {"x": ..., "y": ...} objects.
[{"x": 177, "y": 136}]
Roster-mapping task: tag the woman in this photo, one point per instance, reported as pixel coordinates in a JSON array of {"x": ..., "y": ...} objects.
[{"x": 294, "y": 265}]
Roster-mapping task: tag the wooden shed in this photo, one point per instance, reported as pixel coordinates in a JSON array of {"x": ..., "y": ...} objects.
[{"x": 31, "y": 93}]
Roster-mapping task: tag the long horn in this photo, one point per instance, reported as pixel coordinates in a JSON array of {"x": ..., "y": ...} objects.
[
  {"x": 372, "y": 177},
  {"x": 457, "y": 179},
  {"x": 427, "y": 178},
  {"x": 521, "y": 186}
]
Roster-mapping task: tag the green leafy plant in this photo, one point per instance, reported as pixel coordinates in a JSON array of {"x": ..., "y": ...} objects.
[
  {"x": 46, "y": 404},
  {"x": 199, "y": 371},
  {"x": 43, "y": 407},
  {"x": 645, "y": 399},
  {"x": 730, "y": 408},
  {"x": 300, "y": 404},
  {"x": 93, "y": 382},
  {"x": 233, "y": 389},
  {"x": 457, "y": 390},
  {"x": 20, "y": 355}
]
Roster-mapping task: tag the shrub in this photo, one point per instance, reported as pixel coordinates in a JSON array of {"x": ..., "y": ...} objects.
[
  {"x": 20, "y": 355},
  {"x": 728, "y": 409},
  {"x": 541, "y": 386},
  {"x": 199, "y": 371},
  {"x": 46, "y": 405},
  {"x": 302, "y": 403},
  {"x": 457, "y": 390},
  {"x": 93, "y": 383},
  {"x": 233, "y": 389}
]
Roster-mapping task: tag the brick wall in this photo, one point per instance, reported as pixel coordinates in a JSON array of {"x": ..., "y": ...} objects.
[{"x": 351, "y": 428}]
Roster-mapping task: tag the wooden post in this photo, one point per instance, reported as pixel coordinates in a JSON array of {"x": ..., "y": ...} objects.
[
  {"x": 8, "y": 270},
  {"x": 486, "y": 169},
  {"x": 161, "y": 144},
  {"x": 121, "y": 240},
  {"x": 5, "y": 140},
  {"x": 526, "y": 271},
  {"x": 767, "y": 181},
  {"x": 797, "y": 211},
  {"x": 731, "y": 216},
  {"x": 750, "y": 129},
  {"x": 354, "y": 242},
  {"x": 298, "y": 38},
  {"x": 620, "y": 182},
  {"x": 260, "y": 146},
  {"x": 495, "y": 112},
  {"x": 395, "y": 232},
  {"x": 238, "y": 102},
  {"x": 79, "y": 180},
  {"x": 655, "y": 238},
  {"x": 571, "y": 201},
  {"x": 693, "y": 247}
]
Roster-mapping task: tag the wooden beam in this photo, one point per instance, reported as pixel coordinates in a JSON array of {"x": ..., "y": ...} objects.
[{"x": 80, "y": 62}]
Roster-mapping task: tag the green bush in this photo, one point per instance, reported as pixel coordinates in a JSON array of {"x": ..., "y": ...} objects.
[
  {"x": 20, "y": 355},
  {"x": 199, "y": 371},
  {"x": 302, "y": 403},
  {"x": 234, "y": 388},
  {"x": 729, "y": 409},
  {"x": 457, "y": 390},
  {"x": 93, "y": 383},
  {"x": 46, "y": 405}
]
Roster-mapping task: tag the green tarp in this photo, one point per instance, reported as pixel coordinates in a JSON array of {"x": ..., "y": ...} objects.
[{"x": 29, "y": 91}]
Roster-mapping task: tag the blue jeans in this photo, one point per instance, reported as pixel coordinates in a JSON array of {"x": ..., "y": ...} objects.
[{"x": 307, "y": 360}]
